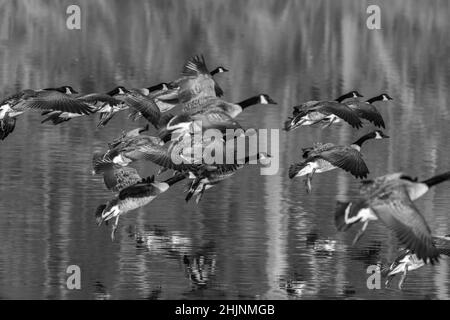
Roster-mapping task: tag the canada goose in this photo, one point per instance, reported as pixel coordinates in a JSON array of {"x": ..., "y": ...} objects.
[
  {"x": 313, "y": 112},
  {"x": 325, "y": 157},
  {"x": 201, "y": 121},
  {"x": 115, "y": 177},
  {"x": 366, "y": 109},
  {"x": 144, "y": 104},
  {"x": 133, "y": 197},
  {"x": 127, "y": 135},
  {"x": 232, "y": 109},
  {"x": 390, "y": 199},
  {"x": 205, "y": 177},
  {"x": 46, "y": 99},
  {"x": 407, "y": 261},
  {"x": 102, "y": 103},
  {"x": 196, "y": 83},
  {"x": 151, "y": 92},
  {"x": 124, "y": 151}
]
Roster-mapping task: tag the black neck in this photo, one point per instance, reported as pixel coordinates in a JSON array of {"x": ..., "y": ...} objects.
[
  {"x": 343, "y": 97},
  {"x": 363, "y": 139},
  {"x": 62, "y": 90},
  {"x": 156, "y": 87},
  {"x": 437, "y": 179},
  {"x": 214, "y": 71},
  {"x": 175, "y": 179},
  {"x": 249, "y": 102},
  {"x": 377, "y": 98}
]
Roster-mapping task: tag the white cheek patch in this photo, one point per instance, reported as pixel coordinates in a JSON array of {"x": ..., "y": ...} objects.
[
  {"x": 121, "y": 91},
  {"x": 385, "y": 98},
  {"x": 68, "y": 91},
  {"x": 263, "y": 100},
  {"x": 378, "y": 136}
]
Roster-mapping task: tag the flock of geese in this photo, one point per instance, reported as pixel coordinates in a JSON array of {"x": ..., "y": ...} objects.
[{"x": 197, "y": 99}]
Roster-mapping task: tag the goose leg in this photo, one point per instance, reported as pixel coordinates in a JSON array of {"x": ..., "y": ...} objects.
[
  {"x": 309, "y": 180},
  {"x": 329, "y": 123},
  {"x": 200, "y": 194},
  {"x": 360, "y": 232},
  {"x": 114, "y": 228},
  {"x": 403, "y": 278},
  {"x": 389, "y": 279}
]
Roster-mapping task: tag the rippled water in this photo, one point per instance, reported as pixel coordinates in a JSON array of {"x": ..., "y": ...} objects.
[{"x": 252, "y": 236}]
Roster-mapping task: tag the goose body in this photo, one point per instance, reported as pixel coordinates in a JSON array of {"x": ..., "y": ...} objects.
[
  {"x": 314, "y": 112},
  {"x": 390, "y": 199},
  {"x": 196, "y": 83},
  {"x": 205, "y": 178},
  {"x": 326, "y": 157},
  {"x": 366, "y": 110},
  {"x": 124, "y": 151},
  {"x": 211, "y": 104},
  {"x": 133, "y": 197}
]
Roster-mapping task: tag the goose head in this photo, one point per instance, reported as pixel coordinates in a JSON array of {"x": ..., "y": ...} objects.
[
  {"x": 380, "y": 97},
  {"x": 219, "y": 69},
  {"x": 378, "y": 134},
  {"x": 119, "y": 90},
  {"x": 64, "y": 89},
  {"x": 266, "y": 99}
]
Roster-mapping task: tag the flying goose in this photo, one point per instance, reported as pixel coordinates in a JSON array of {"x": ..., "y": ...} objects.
[
  {"x": 126, "y": 150},
  {"x": 133, "y": 197},
  {"x": 390, "y": 199},
  {"x": 201, "y": 121},
  {"x": 102, "y": 103},
  {"x": 407, "y": 261},
  {"x": 196, "y": 83},
  {"x": 313, "y": 112},
  {"x": 205, "y": 177},
  {"x": 209, "y": 104},
  {"x": 54, "y": 99},
  {"x": 366, "y": 109},
  {"x": 326, "y": 157}
]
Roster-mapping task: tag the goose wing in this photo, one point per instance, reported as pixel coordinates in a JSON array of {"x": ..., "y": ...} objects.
[
  {"x": 396, "y": 210},
  {"x": 195, "y": 66},
  {"x": 367, "y": 111},
  {"x": 167, "y": 156},
  {"x": 340, "y": 110},
  {"x": 55, "y": 100},
  {"x": 442, "y": 244},
  {"x": 347, "y": 159},
  {"x": 139, "y": 190},
  {"x": 118, "y": 178},
  {"x": 215, "y": 119},
  {"x": 371, "y": 187},
  {"x": 7, "y": 125},
  {"x": 93, "y": 98},
  {"x": 145, "y": 105}
]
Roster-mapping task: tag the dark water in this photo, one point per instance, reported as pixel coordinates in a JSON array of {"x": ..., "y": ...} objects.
[{"x": 252, "y": 236}]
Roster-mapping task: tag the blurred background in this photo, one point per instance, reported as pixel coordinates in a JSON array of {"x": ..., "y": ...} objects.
[{"x": 252, "y": 236}]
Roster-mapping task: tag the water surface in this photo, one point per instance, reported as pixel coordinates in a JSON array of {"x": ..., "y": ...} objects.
[{"x": 252, "y": 236}]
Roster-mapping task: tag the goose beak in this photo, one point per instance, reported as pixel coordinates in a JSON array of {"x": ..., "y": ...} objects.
[{"x": 384, "y": 136}]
